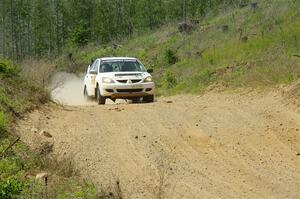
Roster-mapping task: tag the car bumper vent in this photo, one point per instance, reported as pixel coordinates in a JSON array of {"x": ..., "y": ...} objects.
[{"x": 129, "y": 90}]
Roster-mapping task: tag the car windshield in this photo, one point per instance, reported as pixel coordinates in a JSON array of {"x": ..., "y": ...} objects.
[{"x": 121, "y": 66}]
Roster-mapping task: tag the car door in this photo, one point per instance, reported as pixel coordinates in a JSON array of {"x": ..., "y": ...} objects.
[
  {"x": 90, "y": 79},
  {"x": 86, "y": 77},
  {"x": 93, "y": 74}
]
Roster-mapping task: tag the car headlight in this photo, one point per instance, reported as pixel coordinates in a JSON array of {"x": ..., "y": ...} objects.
[
  {"x": 148, "y": 79},
  {"x": 107, "y": 80}
]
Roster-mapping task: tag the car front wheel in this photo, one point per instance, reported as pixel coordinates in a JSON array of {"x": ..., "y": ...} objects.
[
  {"x": 136, "y": 100},
  {"x": 100, "y": 99},
  {"x": 85, "y": 94},
  {"x": 148, "y": 99}
]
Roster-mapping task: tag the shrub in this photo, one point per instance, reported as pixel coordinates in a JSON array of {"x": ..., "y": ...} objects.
[
  {"x": 171, "y": 57},
  {"x": 169, "y": 79},
  {"x": 11, "y": 188},
  {"x": 37, "y": 72},
  {"x": 81, "y": 35},
  {"x": 205, "y": 77},
  {"x": 7, "y": 69}
]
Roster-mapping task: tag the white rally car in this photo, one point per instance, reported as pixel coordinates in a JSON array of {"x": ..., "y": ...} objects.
[{"x": 119, "y": 78}]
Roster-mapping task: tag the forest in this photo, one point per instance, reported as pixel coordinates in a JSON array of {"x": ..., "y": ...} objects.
[{"x": 43, "y": 28}]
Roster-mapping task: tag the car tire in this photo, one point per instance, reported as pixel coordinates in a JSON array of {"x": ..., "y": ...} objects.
[
  {"x": 100, "y": 99},
  {"x": 85, "y": 94},
  {"x": 136, "y": 100},
  {"x": 148, "y": 99}
]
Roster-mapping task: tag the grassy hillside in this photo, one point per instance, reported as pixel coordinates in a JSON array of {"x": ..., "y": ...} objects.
[
  {"x": 257, "y": 49},
  {"x": 18, "y": 163},
  {"x": 17, "y": 95}
]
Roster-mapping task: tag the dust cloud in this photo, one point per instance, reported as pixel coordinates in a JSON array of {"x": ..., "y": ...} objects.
[{"x": 67, "y": 89}]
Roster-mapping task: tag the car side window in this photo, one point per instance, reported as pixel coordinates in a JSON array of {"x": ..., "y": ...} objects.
[
  {"x": 93, "y": 67},
  {"x": 97, "y": 66}
]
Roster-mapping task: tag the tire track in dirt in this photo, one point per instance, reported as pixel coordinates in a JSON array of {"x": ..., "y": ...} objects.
[{"x": 220, "y": 145}]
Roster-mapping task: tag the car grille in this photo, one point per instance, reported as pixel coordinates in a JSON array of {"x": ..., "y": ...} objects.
[
  {"x": 122, "y": 81},
  {"x": 129, "y": 90},
  {"x": 133, "y": 81}
]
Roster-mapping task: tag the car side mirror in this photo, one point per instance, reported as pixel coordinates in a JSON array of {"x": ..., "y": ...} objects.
[
  {"x": 150, "y": 70},
  {"x": 93, "y": 72}
]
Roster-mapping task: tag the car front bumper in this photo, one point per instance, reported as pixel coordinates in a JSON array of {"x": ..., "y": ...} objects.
[{"x": 127, "y": 91}]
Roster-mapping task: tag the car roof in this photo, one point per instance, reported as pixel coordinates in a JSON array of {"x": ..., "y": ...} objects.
[{"x": 117, "y": 58}]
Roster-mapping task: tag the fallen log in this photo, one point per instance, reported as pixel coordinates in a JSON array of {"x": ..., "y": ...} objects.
[{"x": 9, "y": 147}]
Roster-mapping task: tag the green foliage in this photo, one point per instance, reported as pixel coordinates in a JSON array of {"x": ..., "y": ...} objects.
[
  {"x": 11, "y": 188},
  {"x": 171, "y": 57},
  {"x": 209, "y": 56},
  {"x": 43, "y": 28},
  {"x": 88, "y": 191},
  {"x": 20, "y": 160},
  {"x": 205, "y": 77},
  {"x": 17, "y": 96},
  {"x": 3, "y": 122},
  {"x": 7, "y": 69},
  {"x": 81, "y": 35},
  {"x": 169, "y": 80}
]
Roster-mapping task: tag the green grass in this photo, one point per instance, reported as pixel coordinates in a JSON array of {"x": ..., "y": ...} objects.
[
  {"x": 4, "y": 121},
  {"x": 17, "y": 178},
  {"x": 208, "y": 55}
]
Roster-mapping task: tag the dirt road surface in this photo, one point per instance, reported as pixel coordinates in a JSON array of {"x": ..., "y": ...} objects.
[{"x": 219, "y": 145}]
